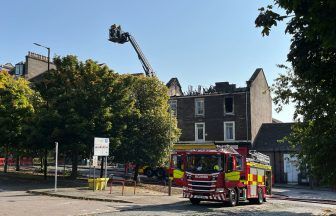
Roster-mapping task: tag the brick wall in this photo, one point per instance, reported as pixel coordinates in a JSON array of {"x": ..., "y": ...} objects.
[{"x": 214, "y": 116}]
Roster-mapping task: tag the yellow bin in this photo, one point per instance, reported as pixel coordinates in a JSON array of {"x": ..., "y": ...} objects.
[{"x": 99, "y": 183}]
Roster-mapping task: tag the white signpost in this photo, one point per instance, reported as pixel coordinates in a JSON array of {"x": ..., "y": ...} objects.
[{"x": 101, "y": 148}]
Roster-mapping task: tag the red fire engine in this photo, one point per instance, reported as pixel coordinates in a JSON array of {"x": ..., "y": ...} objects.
[{"x": 221, "y": 173}]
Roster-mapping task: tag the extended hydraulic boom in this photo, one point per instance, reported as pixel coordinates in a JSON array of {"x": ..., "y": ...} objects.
[{"x": 118, "y": 36}]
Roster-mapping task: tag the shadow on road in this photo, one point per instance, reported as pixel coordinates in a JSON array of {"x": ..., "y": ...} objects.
[
  {"x": 206, "y": 208},
  {"x": 13, "y": 181}
]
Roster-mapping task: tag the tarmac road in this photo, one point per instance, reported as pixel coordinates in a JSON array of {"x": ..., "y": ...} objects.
[
  {"x": 272, "y": 207},
  {"x": 15, "y": 201},
  {"x": 21, "y": 203}
]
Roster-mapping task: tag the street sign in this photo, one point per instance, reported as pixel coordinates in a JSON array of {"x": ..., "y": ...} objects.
[
  {"x": 95, "y": 161},
  {"x": 101, "y": 146}
]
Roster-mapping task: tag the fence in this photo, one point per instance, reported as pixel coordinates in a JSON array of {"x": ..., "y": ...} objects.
[{"x": 11, "y": 161}]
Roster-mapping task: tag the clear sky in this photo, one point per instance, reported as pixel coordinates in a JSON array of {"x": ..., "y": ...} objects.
[{"x": 199, "y": 42}]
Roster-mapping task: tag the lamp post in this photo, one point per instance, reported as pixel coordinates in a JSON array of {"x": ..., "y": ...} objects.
[
  {"x": 48, "y": 53},
  {"x": 46, "y": 150}
]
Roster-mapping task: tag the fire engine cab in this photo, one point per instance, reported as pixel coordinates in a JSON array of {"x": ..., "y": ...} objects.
[{"x": 222, "y": 174}]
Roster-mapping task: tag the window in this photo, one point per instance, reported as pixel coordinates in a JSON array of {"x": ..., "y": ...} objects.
[
  {"x": 19, "y": 69},
  {"x": 239, "y": 163},
  {"x": 204, "y": 163},
  {"x": 199, "y": 132},
  {"x": 177, "y": 162},
  {"x": 173, "y": 106},
  {"x": 229, "y": 130},
  {"x": 229, "y": 164},
  {"x": 228, "y": 105},
  {"x": 199, "y": 106}
]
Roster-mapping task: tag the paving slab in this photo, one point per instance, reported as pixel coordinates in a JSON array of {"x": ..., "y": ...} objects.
[
  {"x": 142, "y": 196},
  {"x": 305, "y": 193}
]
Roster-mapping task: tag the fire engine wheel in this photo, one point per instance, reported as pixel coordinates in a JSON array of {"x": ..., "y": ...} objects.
[
  {"x": 195, "y": 201},
  {"x": 260, "y": 198},
  {"x": 233, "y": 197}
]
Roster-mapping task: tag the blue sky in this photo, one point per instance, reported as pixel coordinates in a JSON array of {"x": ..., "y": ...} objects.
[{"x": 199, "y": 42}]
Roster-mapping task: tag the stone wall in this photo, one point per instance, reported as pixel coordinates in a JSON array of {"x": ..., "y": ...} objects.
[
  {"x": 35, "y": 65},
  {"x": 261, "y": 103}
]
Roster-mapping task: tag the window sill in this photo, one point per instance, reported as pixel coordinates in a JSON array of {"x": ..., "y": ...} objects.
[
  {"x": 231, "y": 114},
  {"x": 199, "y": 115}
]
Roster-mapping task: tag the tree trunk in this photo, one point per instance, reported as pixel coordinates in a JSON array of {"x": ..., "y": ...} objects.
[
  {"x": 74, "y": 161},
  {"x": 102, "y": 167},
  {"x": 6, "y": 159},
  {"x": 136, "y": 173},
  {"x": 41, "y": 161},
  {"x": 17, "y": 165},
  {"x": 45, "y": 164}
]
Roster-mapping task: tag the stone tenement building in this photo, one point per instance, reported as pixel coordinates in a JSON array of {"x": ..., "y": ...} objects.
[
  {"x": 33, "y": 67},
  {"x": 223, "y": 114}
]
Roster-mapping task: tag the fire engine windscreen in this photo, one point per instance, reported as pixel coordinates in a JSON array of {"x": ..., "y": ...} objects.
[{"x": 202, "y": 163}]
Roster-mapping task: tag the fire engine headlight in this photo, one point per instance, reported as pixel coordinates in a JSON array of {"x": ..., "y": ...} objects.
[
  {"x": 219, "y": 190},
  {"x": 185, "y": 188}
]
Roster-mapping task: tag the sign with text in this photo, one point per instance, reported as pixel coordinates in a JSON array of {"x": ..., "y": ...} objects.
[{"x": 101, "y": 146}]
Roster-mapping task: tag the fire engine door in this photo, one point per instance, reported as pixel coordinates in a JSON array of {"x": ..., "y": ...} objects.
[{"x": 177, "y": 168}]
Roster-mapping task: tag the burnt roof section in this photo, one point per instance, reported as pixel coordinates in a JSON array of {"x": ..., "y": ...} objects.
[
  {"x": 269, "y": 136},
  {"x": 226, "y": 87},
  {"x": 173, "y": 81}
]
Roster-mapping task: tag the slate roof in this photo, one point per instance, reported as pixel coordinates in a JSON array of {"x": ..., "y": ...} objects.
[{"x": 269, "y": 134}]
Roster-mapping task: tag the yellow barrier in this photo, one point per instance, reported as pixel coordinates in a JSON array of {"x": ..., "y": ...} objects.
[{"x": 99, "y": 183}]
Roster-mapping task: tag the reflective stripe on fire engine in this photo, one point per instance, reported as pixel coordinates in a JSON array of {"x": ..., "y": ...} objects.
[
  {"x": 178, "y": 173},
  {"x": 258, "y": 165},
  {"x": 232, "y": 176},
  {"x": 253, "y": 180},
  {"x": 260, "y": 178}
]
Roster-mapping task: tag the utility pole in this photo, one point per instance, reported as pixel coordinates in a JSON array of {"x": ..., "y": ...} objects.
[
  {"x": 56, "y": 164},
  {"x": 46, "y": 149}
]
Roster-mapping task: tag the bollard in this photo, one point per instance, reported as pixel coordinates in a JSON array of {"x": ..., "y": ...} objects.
[{"x": 169, "y": 187}]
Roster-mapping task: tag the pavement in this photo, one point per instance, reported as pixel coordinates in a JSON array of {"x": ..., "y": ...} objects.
[
  {"x": 159, "y": 193},
  {"x": 305, "y": 193},
  {"x": 74, "y": 198},
  {"x": 142, "y": 195}
]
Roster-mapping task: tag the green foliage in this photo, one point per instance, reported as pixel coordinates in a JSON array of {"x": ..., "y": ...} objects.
[
  {"x": 15, "y": 109},
  {"x": 82, "y": 100},
  {"x": 310, "y": 80},
  {"x": 150, "y": 127}
]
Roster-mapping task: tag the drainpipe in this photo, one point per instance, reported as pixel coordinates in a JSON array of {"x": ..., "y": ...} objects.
[{"x": 246, "y": 114}]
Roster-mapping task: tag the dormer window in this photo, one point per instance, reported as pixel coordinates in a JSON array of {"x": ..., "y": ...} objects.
[{"x": 19, "y": 69}]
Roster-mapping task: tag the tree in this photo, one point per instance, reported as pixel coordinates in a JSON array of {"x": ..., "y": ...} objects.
[
  {"x": 83, "y": 99},
  {"x": 310, "y": 79},
  {"x": 15, "y": 108},
  {"x": 150, "y": 127}
]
